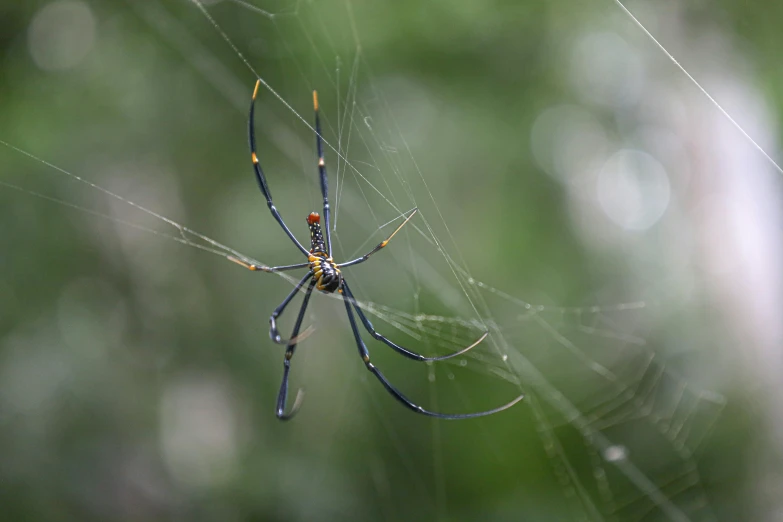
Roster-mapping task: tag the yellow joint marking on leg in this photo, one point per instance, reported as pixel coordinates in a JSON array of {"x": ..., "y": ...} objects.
[
  {"x": 385, "y": 242},
  {"x": 366, "y": 358},
  {"x": 255, "y": 90},
  {"x": 288, "y": 355},
  {"x": 315, "y": 100},
  {"x": 321, "y": 162},
  {"x": 413, "y": 213},
  {"x": 312, "y": 258},
  {"x": 240, "y": 262},
  {"x": 254, "y": 157}
]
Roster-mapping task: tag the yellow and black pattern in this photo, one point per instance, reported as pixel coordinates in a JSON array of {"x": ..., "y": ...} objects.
[{"x": 325, "y": 272}]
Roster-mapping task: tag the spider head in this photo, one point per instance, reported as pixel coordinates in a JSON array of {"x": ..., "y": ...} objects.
[{"x": 313, "y": 218}]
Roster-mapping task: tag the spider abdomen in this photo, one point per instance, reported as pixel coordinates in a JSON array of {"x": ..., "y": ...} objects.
[{"x": 327, "y": 275}]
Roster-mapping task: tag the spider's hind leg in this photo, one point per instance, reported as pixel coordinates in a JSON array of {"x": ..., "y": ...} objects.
[
  {"x": 274, "y": 334},
  {"x": 289, "y": 353},
  {"x": 396, "y": 347},
  {"x": 397, "y": 394}
]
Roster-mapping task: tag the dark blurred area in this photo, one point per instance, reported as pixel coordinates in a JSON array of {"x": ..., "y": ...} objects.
[{"x": 579, "y": 197}]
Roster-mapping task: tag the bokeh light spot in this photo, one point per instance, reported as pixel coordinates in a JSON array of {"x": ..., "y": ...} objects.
[
  {"x": 564, "y": 139},
  {"x": 607, "y": 71},
  {"x": 633, "y": 189},
  {"x": 61, "y": 35},
  {"x": 199, "y": 431}
]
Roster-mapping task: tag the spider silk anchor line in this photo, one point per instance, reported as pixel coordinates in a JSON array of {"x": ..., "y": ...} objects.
[{"x": 326, "y": 275}]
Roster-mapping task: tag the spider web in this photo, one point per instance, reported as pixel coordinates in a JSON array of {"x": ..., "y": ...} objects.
[{"x": 619, "y": 424}]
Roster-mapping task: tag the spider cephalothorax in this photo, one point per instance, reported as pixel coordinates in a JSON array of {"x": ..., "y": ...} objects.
[{"x": 324, "y": 274}]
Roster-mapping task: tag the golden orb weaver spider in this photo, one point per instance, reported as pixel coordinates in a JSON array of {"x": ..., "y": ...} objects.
[{"x": 325, "y": 275}]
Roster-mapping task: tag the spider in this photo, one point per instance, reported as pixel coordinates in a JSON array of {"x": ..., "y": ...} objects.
[{"x": 326, "y": 275}]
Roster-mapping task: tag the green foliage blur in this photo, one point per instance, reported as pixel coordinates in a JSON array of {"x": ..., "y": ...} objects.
[{"x": 137, "y": 380}]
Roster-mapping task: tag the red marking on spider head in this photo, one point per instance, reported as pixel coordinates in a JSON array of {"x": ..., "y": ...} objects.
[{"x": 313, "y": 218}]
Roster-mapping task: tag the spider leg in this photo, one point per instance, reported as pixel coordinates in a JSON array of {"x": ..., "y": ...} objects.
[
  {"x": 261, "y": 268},
  {"x": 399, "y": 349},
  {"x": 274, "y": 334},
  {"x": 396, "y": 393},
  {"x": 379, "y": 245},
  {"x": 322, "y": 172},
  {"x": 260, "y": 174},
  {"x": 289, "y": 353}
]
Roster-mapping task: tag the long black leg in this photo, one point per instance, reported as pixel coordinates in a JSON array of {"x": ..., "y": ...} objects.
[
  {"x": 289, "y": 352},
  {"x": 322, "y": 172},
  {"x": 261, "y": 268},
  {"x": 274, "y": 334},
  {"x": 404, "y": 351},
  {"x": 381, "y": 244},
  {"x": 260, "y": 174},
  {"x": 396, "y": 393}
]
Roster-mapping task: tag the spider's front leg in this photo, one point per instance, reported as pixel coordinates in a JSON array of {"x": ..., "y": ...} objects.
[
  {"x": 261, "y": 178},
  {"x": 262, "y": 268},
  {"x": 380, "y": 245}
]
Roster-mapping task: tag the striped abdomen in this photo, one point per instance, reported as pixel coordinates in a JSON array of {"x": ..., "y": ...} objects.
[{"x": 325, "y": 271}]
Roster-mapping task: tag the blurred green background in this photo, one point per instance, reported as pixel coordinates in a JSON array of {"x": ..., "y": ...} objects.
[{"x": 578, "y": 196}]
